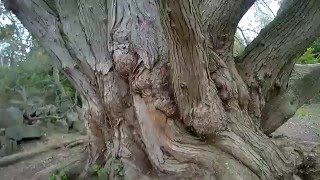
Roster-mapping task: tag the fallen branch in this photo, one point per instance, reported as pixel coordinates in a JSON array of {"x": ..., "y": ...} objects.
[
  {"x": 76, "y": 143},
  {"x": 71, "y": 168},
  {"x": 29, "y": 119},
  {"x": 7, "y": 160}
]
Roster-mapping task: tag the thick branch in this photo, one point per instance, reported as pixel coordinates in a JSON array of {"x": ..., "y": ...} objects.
[
  {"x": 303, "y": 85},
  {"x": 196, "y": 96},
  {"x": 221, "y": 19},
  {"x": 67, "y": 43},
  {"x": 267, "y": 62}
]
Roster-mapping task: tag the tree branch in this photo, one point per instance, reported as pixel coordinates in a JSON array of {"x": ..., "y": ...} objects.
[
  {"x": 268, "y": 7},
  {"x": 57, "y": 82},
  {"x": 194, "y": 93},
  {"x": 80, "y": 50},
  {"x": 304, "y": 85},
  {"x": 221, "y": 19},
  {"x": 244, "y": 37},
  {"x": 267, "y": 62}
]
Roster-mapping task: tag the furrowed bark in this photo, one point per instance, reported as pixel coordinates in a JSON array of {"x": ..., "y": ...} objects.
[
  {"x": 305, "y": 155},
  {"x": 303, "y": 85},
  {"x": 266, "y": 63},
  {"x": 220, "y": 20},
  {"x": 196, "y": 95}
]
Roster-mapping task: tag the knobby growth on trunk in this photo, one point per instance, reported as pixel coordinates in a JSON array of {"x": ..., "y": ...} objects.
[{"x": 164, "y": 95}]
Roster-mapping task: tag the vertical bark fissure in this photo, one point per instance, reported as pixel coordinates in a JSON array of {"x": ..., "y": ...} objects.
[
  {"x": 195, "y": 93},
  {"x": 220, "y": 19}
]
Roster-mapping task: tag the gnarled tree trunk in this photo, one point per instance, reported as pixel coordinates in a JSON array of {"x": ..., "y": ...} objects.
[{"x": 163, "y": 93}]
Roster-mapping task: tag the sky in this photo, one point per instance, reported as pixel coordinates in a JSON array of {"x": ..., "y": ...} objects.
[{"x": 250, "y": 21}]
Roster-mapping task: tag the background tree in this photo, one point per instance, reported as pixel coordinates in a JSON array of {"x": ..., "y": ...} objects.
[
  {"x": 160, "y": 85},
  {"x": 28, "y": 78},
  {"x": 260, "y": 14},
  {"x": 15, "y": 40}
]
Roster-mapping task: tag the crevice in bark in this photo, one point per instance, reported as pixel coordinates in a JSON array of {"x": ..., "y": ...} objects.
[
  {"x": 195, "y": 93},
  {"x": 170, "y": 138}
]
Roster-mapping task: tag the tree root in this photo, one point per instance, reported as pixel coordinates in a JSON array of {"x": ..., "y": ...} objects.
[{"x": 7, "y": 160}]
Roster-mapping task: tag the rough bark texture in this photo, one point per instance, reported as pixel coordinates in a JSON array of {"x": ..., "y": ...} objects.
[
  {"x": 267, "y": 62},
  {"x": 161, "y": 89}
]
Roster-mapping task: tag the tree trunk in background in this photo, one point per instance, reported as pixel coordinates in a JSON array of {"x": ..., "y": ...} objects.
[{"x": 162, "y": 92}]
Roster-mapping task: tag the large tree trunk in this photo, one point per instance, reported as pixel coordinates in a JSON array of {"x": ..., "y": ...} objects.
[{"x": 161, "y": 89}]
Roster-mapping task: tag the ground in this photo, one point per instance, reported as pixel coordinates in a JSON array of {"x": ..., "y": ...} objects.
[
  {"x": 25, "y": 170},
  {"x": 305, "y": 125}
]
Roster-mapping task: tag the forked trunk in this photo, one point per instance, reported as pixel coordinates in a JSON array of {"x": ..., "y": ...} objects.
[{"x": 161, "y": 89}]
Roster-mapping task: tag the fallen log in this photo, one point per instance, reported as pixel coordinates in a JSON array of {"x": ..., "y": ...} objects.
[{"x": 7, "y": 160}]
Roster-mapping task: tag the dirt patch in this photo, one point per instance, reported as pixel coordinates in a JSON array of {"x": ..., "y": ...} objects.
[
  {"x": 304, "y": 125},
  {"x": 25, "y": 170}
]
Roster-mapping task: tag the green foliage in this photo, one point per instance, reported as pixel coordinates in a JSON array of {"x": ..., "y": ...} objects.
[
  {"x": 6, "y": 32},
  {"x": 118, "y": 167},
  {"x": 24, "y": 66},
  {"x": 301, "y": 113},
  {"x": 100, "y": 172},
  {"x": 59, "y": 176},
  {"x": 103, "y": 172},
  {"x": 35, "y": 75},
  {"x": 15, "y": 40},
  {"x": 316, "y": 46},
  {"x": 32, "y": 74},
  {"x": 312, "y": 54},
  {"x": 309, "y": 57}
]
